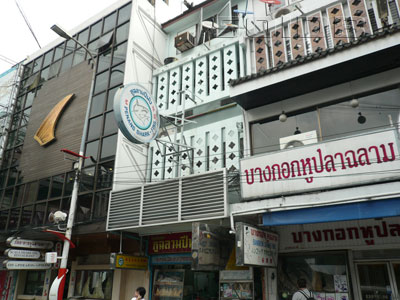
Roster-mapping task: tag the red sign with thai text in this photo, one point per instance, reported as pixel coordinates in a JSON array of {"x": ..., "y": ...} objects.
[{"x": 171, "y": 243}]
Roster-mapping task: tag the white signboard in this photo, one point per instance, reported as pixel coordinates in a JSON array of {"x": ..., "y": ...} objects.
[
  {"x": 31, "y": 244},
  {"x": 365, "y": 234},
  {"x": 256, "y": 247},
  {"x": 19, "y": 253},
  {"x": 348, "y": 161},
  {"x": 51, "y": 257},
  {"x": 26, "y": 265}
]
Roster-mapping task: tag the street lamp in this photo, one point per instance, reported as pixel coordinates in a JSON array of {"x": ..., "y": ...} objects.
[{"x": 57, "y": 287}]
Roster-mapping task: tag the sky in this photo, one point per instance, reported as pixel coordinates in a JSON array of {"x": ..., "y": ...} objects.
[{"x": 16, "y": 40}]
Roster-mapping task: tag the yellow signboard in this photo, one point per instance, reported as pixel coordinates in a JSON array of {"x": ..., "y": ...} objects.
[{"x": 123, "y": 261}]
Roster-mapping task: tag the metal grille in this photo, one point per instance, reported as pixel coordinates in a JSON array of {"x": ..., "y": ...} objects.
[{"x": 191, "y": 198}]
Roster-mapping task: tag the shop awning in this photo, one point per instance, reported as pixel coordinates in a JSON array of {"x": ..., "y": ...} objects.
[{"x": 331, "y": 213}]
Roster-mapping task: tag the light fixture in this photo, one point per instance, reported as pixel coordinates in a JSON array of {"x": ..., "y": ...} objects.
[
  {"x": 297, "y": 131},
  {"x": 354, "y": 103},
  {"x": 283, "y": 117},
  {"x": 61, "y": 32},
  {"x": 361, "y": 119}
]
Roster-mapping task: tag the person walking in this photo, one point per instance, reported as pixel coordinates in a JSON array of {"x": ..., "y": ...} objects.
[
  {"x": 303, "y": 293},
  {"x": 139, "y": 293}
]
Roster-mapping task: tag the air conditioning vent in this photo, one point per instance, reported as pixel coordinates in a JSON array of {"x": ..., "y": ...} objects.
[
  {"x": 184, "y": 41},
  {"x": 297, "y": 140}
]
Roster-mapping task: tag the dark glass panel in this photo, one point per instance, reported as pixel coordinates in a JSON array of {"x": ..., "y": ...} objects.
[
  {"x": 12, "y": 177},
  {"x": 29, "y": 99},
  {"x": 47, "y": 58},
  {"x": 110, "y": 125},
  {"x": 31, "y": 192},
  {"x": 25, "y": 116},
  {"x": 110, "y": 99},
  {"x": 39, "y": 214},
  {"x": 7, "y": 159},
  {"x": 27, "y": 70},
  {"x": 95, "y": 30},
  {"x": 119, "y": 53},
  {"x": 104, "y": 61},
  {"x": 122, "y": 33},
  {"x": 83, "y": 36},
  {"x": 71, "y": 44},
  {"x": 105, "y": 175},
  {"x": 19, "y": 103},
  {"x": 7, "y": 198},
  {"x": 26, "y": 215},
  {"x": 98, "y": 103},
  {"x": 117, "y": 75},
  {"x": 57, "y": 185},
  {"x": 3, "y": 219},
  {"x": 11, "y": 139},
  {"x": 66, "y": 63},
  {"x": 124, "y": 14},
  {"x": 84, "y": 208},
  {"x": 21, "y": 136},
  {"x": 37, "y": 64},
  {"x": 109, "y": 22},
  {"x": 44, "y": 186},
  {"x": 3, "y": 177},
  {"x": 14, "y": 218},
  {"x": 17, "y": 156},
  {"x": 19, "y": 194},
  {"x": 79, "y": 56},
  {"x": 69, "y": 183},
  {"x": 65, "y": 204},
  {"x": 52, "y": 206},
  {"x": 87, "y": 179},
  {"x": 54, "y": 69},
  {"x": 108, "y": 147},
  {"x": 59, "y": 52},
  {"x": 101, "y": 82},
  {"x": 15, "y": 121},
  {"x": 92, "y": 149},
  {"x": 44, "y": 75},
  {"x": 95, "y": 127},
  {"x": 92, "y": 46},
  {"x": 100, "y": 205}
]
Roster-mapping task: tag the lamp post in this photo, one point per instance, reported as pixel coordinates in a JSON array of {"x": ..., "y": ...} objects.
[{"x": 57, "y": 287}]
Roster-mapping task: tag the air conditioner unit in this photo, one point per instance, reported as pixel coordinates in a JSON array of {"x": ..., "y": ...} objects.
[
  {"x": 284, "y": 10},
  {"x": 184, "y": 41},
  {"x": 301, "y": 139}
]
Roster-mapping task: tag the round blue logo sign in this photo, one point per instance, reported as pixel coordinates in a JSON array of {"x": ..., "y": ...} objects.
[{"x": 136, "y": 113}]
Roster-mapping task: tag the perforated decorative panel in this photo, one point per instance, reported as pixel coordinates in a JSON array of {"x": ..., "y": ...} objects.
[
  {"x": 297, "y": 44},
  {"x": 230, "y": 64},
  {"x": 261, "y": 53},
  {"x": 175, "y": 93},
  {"x": 201, "y": 77},
  {"x": 215, "y": 71},
  {"x": 316, "y": 30},
  {"x": 162, "y": 91},
  {"x": 278, "y": 47},
  {"x": 337, "y": 24},
  {"x": 359, "y": 17}
]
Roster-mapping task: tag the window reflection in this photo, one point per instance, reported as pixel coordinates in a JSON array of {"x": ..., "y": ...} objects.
[
  {"x": 89, "y": 280},
  {"x": 108, "y": 147},
  {"x": 26, "y": 215},
  {"x": 105, "y": 175},
  {"x": 84, "y": 208}
]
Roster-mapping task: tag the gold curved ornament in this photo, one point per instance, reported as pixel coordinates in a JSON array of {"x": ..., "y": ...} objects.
[{"x": 46, "y": 132}]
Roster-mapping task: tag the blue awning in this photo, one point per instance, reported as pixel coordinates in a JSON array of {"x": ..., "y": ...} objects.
[{"x": 332, "y": 213}]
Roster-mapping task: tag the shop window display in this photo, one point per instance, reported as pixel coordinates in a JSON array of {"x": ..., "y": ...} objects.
[
  {"x": 94, "y": 284},
  {"x": 34, "y": 283},
  {"x": 326, "y": 275}
]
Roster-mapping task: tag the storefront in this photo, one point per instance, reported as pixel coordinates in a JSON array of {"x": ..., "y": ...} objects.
[{"x": 356, "y": 259}]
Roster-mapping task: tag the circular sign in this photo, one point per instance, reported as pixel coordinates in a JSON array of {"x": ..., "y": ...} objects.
[{"x": 136, "y": 113}]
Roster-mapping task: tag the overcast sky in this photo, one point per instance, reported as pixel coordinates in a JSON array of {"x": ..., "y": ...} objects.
[{"x": 16, "y": 40}]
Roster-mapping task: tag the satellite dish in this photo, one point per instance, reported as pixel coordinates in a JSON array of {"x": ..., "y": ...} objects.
[{"x": 209, "y": 25}]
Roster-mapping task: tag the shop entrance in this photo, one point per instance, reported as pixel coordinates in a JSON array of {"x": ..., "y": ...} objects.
[{"x": 379, "y": 280}]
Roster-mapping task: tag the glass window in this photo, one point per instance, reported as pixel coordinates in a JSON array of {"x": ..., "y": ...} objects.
[
  {"x": 27, "y": 70},
  {"x": 100, "y": 206},
  {"x": 117, "y": 75},
  {"x": 37, "y": 64},
  {"x": 119, "y": 53},
  {"x": 92, "y": 149},
  {"x": 98, "y": 103},
  {"x": 54, "y": 69},
  {"x": 95, "y": 127},
  {"x": 6, "y": 159},
  {"x": 104, "y": 61},
  {"x": 124, "y": 14},
  {"x": 39, "y": 214},
  {"x": 71, "y": 44},
  {"x": 25, "y": 117},
  {"x": 7, "y": 198},
  {"x": 109, "y": 22},
  {"x": 65, "y": 204},
  {"x": 320, "y": 271},
  {"x": 15, "y": 121},
  {"x": 52, "y": 206},
  {"x": 105, "y": 175},
  {"x": 34, "y": 283},
  {"x": 108, "y": 147},
  {"x": 84, "y": 208},
  {"x": 79, "y": 56},
  {"x": 21, "y": 136},
  {"x": 44, "y": 186},
  {"x": 47, "y": 58},
  {"x": 57, "y": 183},
  {"x": 19, "y": 103},
  {"x": 93, "y": 279},
  {"x": 95, "y": 31},
  {"x": 87, "y": 180},
  {"x": 31, "y": 192},
  {"x": 83, "y": 36},
  {"x": 16, "y": 156},
  {"x": 3, "y": 219},
  {"x": 19, "y": 195},
  {"x": 26, "y": 215},
  {"x": 66, "y": 63},
  {"x": 110, "y": 98},
  {"x": 12, "y": 177},
  {"x": 110, "y": 125},
  {"x": 122, "y": 33},
  {"x": 14, "y": 218},
  {"x": 11, "y": 139},
  {"x": 29, "y": 99},
  {"x": 69, "y": 183},
  {"x": 92, "y": 46},
  {"x": 101, "y": 82},
  {"x": 59, "y": 52},
  {"x": 3, "y": 176},
  {"x": 44, "y": 75}
]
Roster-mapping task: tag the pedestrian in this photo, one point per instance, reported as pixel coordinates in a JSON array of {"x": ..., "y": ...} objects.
[
  {"x": 303, "y": 293},
  {"x": 139, "y": 293}
]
